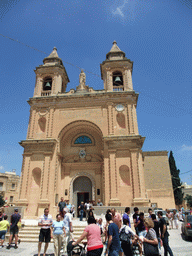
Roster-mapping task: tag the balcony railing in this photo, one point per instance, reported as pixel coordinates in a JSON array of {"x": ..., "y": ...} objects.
[
  {"x": 118, "y": 88},
  {"x": 45, "y": 93}
]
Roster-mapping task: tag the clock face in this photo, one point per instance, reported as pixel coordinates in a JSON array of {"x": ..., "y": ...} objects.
[
  {"x": 82, "y": 153},
  {"x": 120, "y": 107}
]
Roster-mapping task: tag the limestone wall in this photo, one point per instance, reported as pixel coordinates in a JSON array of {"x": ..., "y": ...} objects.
[{"x": 158, "y": 179}]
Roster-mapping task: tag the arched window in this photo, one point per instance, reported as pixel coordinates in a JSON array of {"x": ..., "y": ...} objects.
[
  {"x": 47, "y": 84},
  {"x": 118, "y": 81},
  {"x": 83, "y": 140}
]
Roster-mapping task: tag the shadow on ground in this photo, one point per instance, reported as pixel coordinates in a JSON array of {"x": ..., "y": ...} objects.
[
  {"x": 47, "y": 254},
  {"x": 186, "y": 239}
]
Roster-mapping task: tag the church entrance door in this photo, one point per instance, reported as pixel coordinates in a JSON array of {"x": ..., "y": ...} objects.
[{"x": 82, "y": 190}]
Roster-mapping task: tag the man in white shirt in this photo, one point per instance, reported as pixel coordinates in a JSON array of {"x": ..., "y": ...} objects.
[
  {"x": 67, "y": 220},
  {"x": 45, "y": 222}
]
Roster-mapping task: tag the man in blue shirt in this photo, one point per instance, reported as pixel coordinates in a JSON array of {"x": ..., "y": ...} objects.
[
  {"x": 126, "y": 215},
  {"x": 113, "y": 246}
]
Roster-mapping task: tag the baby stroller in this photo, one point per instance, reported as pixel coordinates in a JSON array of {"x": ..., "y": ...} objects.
[{"x": 76, "y": 250}]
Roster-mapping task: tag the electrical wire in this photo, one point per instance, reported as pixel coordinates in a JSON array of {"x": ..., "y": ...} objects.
[{"x": 93, "y": 73}]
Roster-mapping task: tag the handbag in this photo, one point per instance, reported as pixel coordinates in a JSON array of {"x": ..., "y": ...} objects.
[
  {"x": 150, "y": 249},
  {"x": 124, "y": 237}
]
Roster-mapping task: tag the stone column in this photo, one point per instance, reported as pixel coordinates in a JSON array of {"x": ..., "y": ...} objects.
[
  {"x": 24, "y": 177},
  {"x": 45, "y": 181},
  {"x": 130, "y": 84},
  {"x": 125, "y": 79},
  {"x": 130, "y": 119},
  {"x": 110, "y": 119},
  {"x": 109, "y": 81},
  {"x": 141, "y": 173},
  {"x": 135, "y": 120},
  {"x": 50, "y": 123},
  {"x": 113, "y": 178},
  {"x": 106, "y": 175},
  {"x": 135, "y": 173}
]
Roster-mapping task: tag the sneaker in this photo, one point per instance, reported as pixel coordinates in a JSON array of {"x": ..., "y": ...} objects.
[
  {"x": 19, "y": 241},
  {"x": 8, "y": 246},
  {"x": 15, "y": 246}
]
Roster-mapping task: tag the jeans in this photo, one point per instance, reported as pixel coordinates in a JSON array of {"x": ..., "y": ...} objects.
[
  {"x": 81, "y": 215},
  {"x": 114, "y": 253},
  {"x": 167, "y": 249},
  {"x": 159, "y": 242},
  {"x": 96, "y": 252}
]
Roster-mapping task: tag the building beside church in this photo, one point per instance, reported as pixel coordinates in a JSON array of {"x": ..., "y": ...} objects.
[
  {"x": 9, "y": 187},
  {"x": 85, "y": 145}
]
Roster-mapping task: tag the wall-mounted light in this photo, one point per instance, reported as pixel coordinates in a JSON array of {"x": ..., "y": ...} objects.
[{"x": 66, "y": 192}]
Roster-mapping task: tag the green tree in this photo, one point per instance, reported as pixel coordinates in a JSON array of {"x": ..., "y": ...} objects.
[
  {"x": 189, "y": 200},
  {"x": 2, "y": 201},
  {"x": 176, "y": 182}
]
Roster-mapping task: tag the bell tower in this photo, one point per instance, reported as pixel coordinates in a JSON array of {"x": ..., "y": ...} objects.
[
  {"x": 116, "y": 71},
  {"x": 51, "y": 77}
]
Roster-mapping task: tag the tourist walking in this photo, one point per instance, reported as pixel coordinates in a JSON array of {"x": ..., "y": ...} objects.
[
  {"x": 113, "y": 245},
  {"x": 150, "y": 211},
  {"x": 58, "y": 234},
  {"x": 135, "y": 219},
  {"x": 87, "y": 208},
  {"x": 128, "y": 234},
  {"x": 175, "y": 218},
  {"x": 14, "y": 230},
  {"x": 140, "y": 225},
  {"x": 61, "y": 206},
  {"x": 126, "y": 215},
  {"x": 45, "y": 222},
  {"x": 67, "y": 220},
  {"x": 81, "y": 210},
  {"x": 164, "y": 234},
  {"x": 170, "y": 218},
  {"x": 156, "y": 228},
  {"x": 116, "y": 217},
  {"x": 150, "y": 240},
  {"x": 93, "y": 235},
  {"x": 4, "y": 227}
]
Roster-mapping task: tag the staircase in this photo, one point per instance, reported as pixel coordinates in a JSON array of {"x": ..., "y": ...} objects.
[{"x": 31, "y": 233}]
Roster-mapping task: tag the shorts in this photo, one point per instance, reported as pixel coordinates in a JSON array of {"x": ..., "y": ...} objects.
[
  {"x": 45, "y": 235},
  {"x": 2, "y": 234},
  {"x": 14, "y": 230}
]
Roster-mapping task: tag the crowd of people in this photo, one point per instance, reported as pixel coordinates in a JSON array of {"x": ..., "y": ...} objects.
[{"x": 116, "y": 237}]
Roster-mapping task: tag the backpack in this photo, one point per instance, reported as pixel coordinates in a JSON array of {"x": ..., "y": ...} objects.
[{"x": 124, "y": 237}]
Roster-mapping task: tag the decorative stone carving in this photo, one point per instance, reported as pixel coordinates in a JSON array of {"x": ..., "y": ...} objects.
[{"x": 82, "y": 81}]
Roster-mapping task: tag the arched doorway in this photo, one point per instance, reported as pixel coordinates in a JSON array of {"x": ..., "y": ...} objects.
[{"x": 82, "y": 190}]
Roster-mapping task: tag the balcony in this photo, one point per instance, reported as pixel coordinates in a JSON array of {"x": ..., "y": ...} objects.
[
  {"x": 45, "y": 93},
  {"x": 118, "y": 88}
]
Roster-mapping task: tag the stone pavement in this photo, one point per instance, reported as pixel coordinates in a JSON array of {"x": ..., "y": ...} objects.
[{"x": 179, "y": 246}]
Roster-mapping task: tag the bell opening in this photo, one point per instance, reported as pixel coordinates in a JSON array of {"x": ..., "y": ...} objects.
[
  {"x": 117, "y": 80},
  {"x": 47, "y": 84}
]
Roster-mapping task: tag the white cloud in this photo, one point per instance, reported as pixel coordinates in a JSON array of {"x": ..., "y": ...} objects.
[
  {"x": 118, "y": 10},
  {"x": 186, "y": 148},
  {"x": 1, "y": 168}
]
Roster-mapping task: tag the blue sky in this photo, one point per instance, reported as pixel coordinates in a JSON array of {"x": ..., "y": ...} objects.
[{"x": 155, "y": 34}]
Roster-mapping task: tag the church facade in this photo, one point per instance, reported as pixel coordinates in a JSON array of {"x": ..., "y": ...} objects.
[{"x": 85, "y": 145}]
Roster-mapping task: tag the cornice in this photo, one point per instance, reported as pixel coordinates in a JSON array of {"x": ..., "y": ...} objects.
[
  {"x": 100, "y": 97},
  {"x": 155, "y": 153}
]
